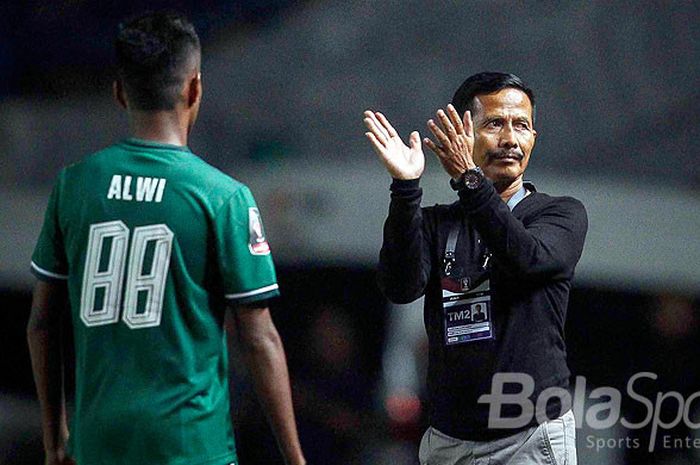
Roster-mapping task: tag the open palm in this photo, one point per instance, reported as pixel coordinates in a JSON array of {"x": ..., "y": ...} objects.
[{"x": 401, "y": 160}]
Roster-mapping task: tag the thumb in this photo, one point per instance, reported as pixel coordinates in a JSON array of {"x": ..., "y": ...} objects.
[{"x": 414, "y": 140}]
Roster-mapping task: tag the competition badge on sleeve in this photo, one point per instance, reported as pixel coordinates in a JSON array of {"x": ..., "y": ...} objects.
[{"x": 257, "y": 243}]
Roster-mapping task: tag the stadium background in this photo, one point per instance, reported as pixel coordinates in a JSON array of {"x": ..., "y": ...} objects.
[{"x": 285, "y": 86}]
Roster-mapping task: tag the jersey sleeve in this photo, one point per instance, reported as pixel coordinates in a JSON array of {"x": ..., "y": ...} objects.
[
  {"x": 248, "y": 273},
  {"x": 49, "y": 260}
]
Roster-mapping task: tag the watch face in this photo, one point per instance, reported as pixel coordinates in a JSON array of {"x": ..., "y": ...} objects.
[{"x": 472, "y": 180}]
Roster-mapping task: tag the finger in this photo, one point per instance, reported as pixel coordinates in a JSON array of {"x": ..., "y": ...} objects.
[
  {"x": 446, "y": 123},
  {"x": 384, "y": 156},
  {"x": 387, "y": 125},
  {"x": 456, "y": 120},
  {"x": 468, "y": 124},
  {"x": 376, "y": 144},
  {"x": 379, "y": 127},
  {"x": 414, "y": 140},
  {"x": 431, "y": 145},
  {"x": 437, "y": 132},
  {"x": 373, "y": 126}
]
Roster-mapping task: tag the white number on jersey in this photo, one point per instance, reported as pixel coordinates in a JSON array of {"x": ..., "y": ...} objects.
[{"x": 147, "y": 286}]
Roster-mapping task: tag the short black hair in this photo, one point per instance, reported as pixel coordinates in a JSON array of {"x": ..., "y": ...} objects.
[
  {"x": 153, "y": 52},
  {"x": 488, "y": 83}
]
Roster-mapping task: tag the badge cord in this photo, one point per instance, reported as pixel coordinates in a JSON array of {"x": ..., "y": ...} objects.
[{"x": 450, "y": 248}]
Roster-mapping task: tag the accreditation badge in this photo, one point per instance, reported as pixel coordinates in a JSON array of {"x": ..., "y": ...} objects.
[{"x": 466, "y": 310}]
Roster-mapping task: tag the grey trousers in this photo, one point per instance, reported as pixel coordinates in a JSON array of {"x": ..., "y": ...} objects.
[{"x": 551, "y": 443}]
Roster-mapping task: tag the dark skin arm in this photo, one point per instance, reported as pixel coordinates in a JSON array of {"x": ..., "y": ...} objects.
[
  {"x": 43, "y": 336},
  {"x": 266, "y": 361}
]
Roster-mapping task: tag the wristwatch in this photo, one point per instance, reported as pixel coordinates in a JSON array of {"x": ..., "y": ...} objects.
[{"x": 470, "y": 179}]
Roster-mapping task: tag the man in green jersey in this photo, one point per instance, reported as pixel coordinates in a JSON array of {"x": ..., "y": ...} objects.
[{"x": 150, "y": 245}]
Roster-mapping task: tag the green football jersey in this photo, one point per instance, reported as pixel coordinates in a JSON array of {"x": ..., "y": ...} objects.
[{"x": 153, "y": 243}]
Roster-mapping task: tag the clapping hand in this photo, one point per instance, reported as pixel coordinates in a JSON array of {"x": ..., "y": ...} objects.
[
  {"x": 401, "y": 160},
  {"x": 456, "y": 139}
]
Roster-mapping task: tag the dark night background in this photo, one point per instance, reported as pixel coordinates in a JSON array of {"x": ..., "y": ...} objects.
[{"x": 285, "y": 86}]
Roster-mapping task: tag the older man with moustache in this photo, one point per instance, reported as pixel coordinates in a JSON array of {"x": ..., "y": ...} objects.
[{"x": 503, "y": 246}]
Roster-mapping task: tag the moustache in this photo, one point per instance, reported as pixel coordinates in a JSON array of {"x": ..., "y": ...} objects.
[{"x": 503, "y": 154}]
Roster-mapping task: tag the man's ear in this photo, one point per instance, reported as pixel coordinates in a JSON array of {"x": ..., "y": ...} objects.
[
  {"x": 194, "y": 90},
  {"x": 118, "y": 92}
]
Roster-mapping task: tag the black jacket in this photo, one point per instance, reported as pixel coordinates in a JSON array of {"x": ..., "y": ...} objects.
[{"x": 534, "y": 251}]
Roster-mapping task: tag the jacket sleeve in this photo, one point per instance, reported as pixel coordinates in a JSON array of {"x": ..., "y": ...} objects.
[
  {"x": 548, "y": 247},
  {"x": 404, "y": 260}
]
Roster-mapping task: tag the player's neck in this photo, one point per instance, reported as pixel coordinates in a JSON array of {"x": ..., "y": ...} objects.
[{"x": 166, "y": 127}]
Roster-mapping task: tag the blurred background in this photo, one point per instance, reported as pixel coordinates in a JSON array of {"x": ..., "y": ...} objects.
[{"x": 286, "y": 82}]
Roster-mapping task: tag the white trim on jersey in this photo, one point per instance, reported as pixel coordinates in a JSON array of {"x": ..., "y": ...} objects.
[
  {"x": 47, "y": 272},
  {"x": 262, "y": 290}
]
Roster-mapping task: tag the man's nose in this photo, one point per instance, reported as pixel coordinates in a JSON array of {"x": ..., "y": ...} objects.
[{"x": 508, "y": 139}]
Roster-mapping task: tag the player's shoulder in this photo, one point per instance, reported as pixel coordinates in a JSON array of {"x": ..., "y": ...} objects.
[
  {"x": 91, "y": 160},
  {"x": 86, "y": 167},
  {"x": 184, "y": 164},
  {"x": 219, "y": 189},
  {"x": 217, "y": 181}
]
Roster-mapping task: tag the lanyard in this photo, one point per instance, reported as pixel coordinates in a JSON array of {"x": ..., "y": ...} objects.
[{"x": 451, "y": 245}]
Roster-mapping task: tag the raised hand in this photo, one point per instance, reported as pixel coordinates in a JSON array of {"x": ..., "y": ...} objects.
[
  {"x": 401, "y": 160},
  {"x": 455, "y": 139}
]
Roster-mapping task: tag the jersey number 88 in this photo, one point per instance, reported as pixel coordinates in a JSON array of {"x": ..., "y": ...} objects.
[{"x": 103, "y": 277}]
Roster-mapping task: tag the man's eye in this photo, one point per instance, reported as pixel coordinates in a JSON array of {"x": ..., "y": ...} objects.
[
  {"x": 494, "y": 124},
  {"x": 522, "y": 126}
]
